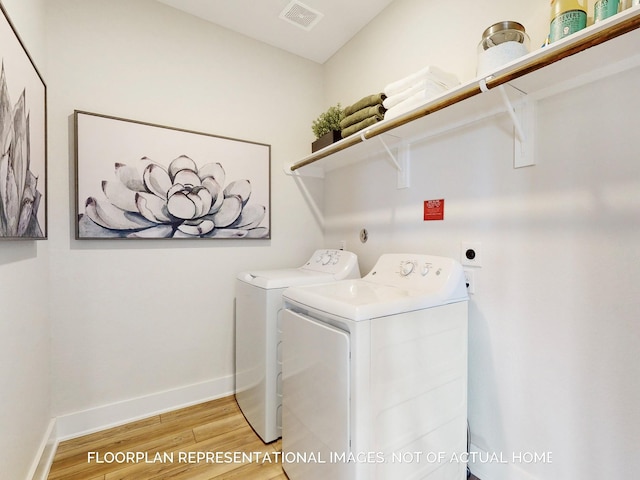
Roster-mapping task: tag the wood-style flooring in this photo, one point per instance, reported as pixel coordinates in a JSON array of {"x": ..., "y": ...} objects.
[
  {"x": 129, "y": 452},
  {"x": 173, "y": 446}
]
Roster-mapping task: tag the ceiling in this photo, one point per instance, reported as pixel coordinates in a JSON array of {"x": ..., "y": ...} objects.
[{"x": 338, "y": 22}]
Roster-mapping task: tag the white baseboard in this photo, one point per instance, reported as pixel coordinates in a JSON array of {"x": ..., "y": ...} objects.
[
  {"x": 44, "y": 458},
  {"x": 106, "y": 416}
]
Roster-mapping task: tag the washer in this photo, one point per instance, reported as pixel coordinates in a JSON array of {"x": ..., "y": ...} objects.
[
  {"x": 375, "y": 374},
  {"x": 258, "y": 308}
]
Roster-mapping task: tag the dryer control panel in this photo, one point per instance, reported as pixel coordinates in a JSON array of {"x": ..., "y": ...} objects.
[
  {"x": 418, "y": 272},
  {"x": 409, "y": 267}
]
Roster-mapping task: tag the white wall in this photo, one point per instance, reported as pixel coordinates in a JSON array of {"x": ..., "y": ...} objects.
[
  {"x": 554, "y": 336},
  {"x": 24, "y": 326},
  {"x": 139, "y": 318}
]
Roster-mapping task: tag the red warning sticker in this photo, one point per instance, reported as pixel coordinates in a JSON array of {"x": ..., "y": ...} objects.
[{"x": 434, "y": 209}]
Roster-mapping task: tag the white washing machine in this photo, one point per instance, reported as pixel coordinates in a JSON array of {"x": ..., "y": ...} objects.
[
  {"x": 375, "y": 374},
  {"x": 258, "y": 309}
]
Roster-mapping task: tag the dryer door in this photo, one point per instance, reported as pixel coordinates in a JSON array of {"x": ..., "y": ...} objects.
[{"x": 315, "y": 402}]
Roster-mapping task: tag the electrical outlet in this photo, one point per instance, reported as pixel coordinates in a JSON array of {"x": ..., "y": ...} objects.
[
  {"x": 471, "y": 254},
  {"x": 469, "y": 280}
]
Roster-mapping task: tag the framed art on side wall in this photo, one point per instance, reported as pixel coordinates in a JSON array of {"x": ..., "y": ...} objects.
[
  {"x": 139, "y": 180},
  {"x": 23, "y": 140}
]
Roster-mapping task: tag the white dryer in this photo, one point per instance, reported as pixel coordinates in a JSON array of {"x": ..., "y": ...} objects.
[
  {"x": 258, "y": 309},
  {"x": 375, "y": 374}
]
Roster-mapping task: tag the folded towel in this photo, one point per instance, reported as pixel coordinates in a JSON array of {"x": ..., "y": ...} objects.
[
  {"x": 366, "y": 112},
  {"x": 414, "y": 101},
  {"x": 368, "y": 101},
  {"x": 430, "y": 72},
  {"x": 429, "y": 87},
  {"x": 367, "y": 122}
]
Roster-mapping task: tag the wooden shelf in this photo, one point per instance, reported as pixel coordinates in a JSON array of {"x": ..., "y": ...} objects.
[{"x": 602, "y": 49}]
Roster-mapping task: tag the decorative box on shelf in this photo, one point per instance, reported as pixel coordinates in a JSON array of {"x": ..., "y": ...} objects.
[{"x": 327, "y": 139}]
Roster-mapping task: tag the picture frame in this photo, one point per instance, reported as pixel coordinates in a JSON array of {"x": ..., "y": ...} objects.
[
  {"x": 138, "y": 180},
  {"x": 23, "y": 140}
]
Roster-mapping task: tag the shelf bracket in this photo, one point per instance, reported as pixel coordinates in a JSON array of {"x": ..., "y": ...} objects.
[
  {"x": 404, "y": 159},
  {"x": 524, "y": 146},
  {"x": 512, "y": 113},
  {"x": 392, "y": 157},
  {"x": 523, "y": 118},
  {"x": 401, "y": 162}
]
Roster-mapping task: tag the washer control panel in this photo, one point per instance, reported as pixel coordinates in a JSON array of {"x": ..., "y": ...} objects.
[
  {"x": 326, "y": 257},
  {"x": 333, "y": 261}
]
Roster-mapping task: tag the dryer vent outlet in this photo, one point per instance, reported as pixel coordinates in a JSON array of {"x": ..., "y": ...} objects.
[
  {"x": 470, "y": 254},
  {"x": 301, "y": 15}
]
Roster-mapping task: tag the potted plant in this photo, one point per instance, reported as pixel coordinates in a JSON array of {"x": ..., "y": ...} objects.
[{"x": 326, "y": 127}]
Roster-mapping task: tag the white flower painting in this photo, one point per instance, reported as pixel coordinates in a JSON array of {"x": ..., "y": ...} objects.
[
  {"x": 137, "y": 180},
  {"x": 22, "y": 141}
]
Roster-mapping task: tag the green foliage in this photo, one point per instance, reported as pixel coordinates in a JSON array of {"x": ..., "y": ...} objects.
[{"x": 327, "y": 121}]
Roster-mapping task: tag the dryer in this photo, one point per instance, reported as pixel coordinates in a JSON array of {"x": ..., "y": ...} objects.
[
  {"x": 258, "y": 308},
  {"x": 375, "y": 374}
]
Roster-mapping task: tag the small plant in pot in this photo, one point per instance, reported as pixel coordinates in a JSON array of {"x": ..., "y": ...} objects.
[{"x": 326, "y": 127}]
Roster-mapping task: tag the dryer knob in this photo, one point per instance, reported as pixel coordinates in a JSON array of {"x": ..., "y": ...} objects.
[{"x": 406, "y": 269}]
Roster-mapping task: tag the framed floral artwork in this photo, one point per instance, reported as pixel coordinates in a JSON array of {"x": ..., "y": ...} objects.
[
  {"x": 137, "y": 180},
  {"x": 23, "y": 140}
]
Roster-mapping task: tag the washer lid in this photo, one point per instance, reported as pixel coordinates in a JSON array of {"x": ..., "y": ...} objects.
[
  {"x": 397, "y": 284},
  {"x": 323, "y": 266},
  {"x": 284, "y": 278}
]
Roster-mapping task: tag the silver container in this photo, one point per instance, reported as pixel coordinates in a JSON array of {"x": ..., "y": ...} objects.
[{"x": 502, "y": 32}]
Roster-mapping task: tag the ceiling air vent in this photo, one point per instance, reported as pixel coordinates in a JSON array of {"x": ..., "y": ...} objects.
[{"x": 301, "y": 15}]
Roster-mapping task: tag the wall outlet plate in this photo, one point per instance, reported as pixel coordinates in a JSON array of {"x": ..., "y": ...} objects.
[
  {"x": 471, "y": 254},
  {"x": 470, "y": 281}
]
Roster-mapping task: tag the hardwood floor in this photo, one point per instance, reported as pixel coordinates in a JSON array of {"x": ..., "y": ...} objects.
[{"x": 174, "y": 446}]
